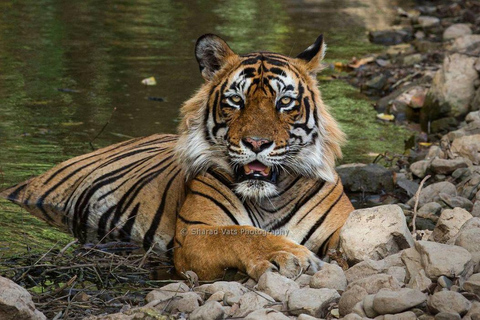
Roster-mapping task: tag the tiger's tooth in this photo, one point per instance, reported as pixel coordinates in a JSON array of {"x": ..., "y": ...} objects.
[
  {"x": 267, "y": 170},
  {"x": 247, "y": 169}
]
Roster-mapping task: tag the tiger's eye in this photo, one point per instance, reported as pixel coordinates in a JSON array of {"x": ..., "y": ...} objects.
[
  {"x": 286, "y": 100},
  {"x": 236, "y": 98}
]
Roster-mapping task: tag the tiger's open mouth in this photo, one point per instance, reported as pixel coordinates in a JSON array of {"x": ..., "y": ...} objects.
[{"x": 256, "y": 171}]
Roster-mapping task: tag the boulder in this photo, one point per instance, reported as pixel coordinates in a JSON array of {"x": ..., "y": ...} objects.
[
  {"x": 452, "y": 88},
  {"x": 420, "y": 168},
  {"x": 252, "y": 301},
  {"x": 231, "y": 288},
  {"x": 456, "y": 202},
  {"x": 428, "y": 21},
  {"x": 448, "y": 301},
  {"x": 167, "y": 292},
  {"x": 353, "y": 295},
  {"x": 466, "y": 44},
  {"x": 468, "y": 147},
  {"x": 473, "y": 284},
  {"x": 266, "y": 314},
  {"x": 388, "y": 301},
  {"x": 449, "y": 224},
  {"x": 313, "y": 302},
  {"x": 16, "y": 302},
  {"x": 375, "y": 233},
  {"x": 374, "y": 283},
  {"x": 456, "y": 30},
  {"x": 331, "y": 277},
  {"x": 443, "y": 260},
  {"x": 276, "y": 285},
  {"x": 181, "y": 302}
]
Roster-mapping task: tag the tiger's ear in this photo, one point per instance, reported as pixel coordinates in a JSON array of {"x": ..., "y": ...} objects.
[
  {"x": 313, "y": 55},
  {"x": 211, "y": 52}
]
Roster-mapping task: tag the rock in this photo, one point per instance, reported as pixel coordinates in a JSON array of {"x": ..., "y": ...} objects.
[
  {"x": 427, "y": 21},
  {"x": 449, "y": 224},
  {"x": 419, "y": 281},
  {"x": 252, "y": 301},
  {"x": 473, "y": 284},
  {"x": 375, "y": 233},
  {"x": 231, "y": 288},
  {"x": 444, "y": 125},
  {"x": 304, "y": 316},
  {"x": 331, "y": 277},
  {"x": 266, "y": 314},
  {"x": 443, "y": 260},
  {"x": 366, "y": 178},
  {"x": 468, "y": 147},
  {"x": 413, "y": 262},
  {"x": 388, "y": 302},
  {"x": 456, "y": 30},
  {"x": 409, "y": 315},
  {"x": 444, "y": 282},
  {"x": 368, "y": 306},
  {"x": 452, "y": 89},
  {"x": 431, "y": 192},
  {"x": 352, "y": 316},
  {"x": 448, "y": 301},
  {"x": 456, "y": 201},
  {"x": 181, "y": 302},
  {"x": 364, "y": 269},
  {"x": 313, "y": 302},
  {"x": 473, "y": 116},
  {"x": 442, "y": 166},
  {"x": 211, "y": 310},
  {"x": 389, "y": 37},
  {"x": 429, "y": 210},
  {"x": 412, "y": 59},
  {"x": 420, "y": 168},
  {"x": 167, "y": 292},
  {"x": 475, "y": 104},
  {"x": 398, "y": 273},
  {"x": 447, "y": 316},
  {"x": 435, "y": 152},
  {"x": 353, "y": 295},
  {"x": 409, "y": 186},
  {"x": 474, "y": 312},
  {"x": 16, "y": 302},
  {"x": 303, "y": 280},
  {"x": 469, "y": 239},
  {"x": 374, "y": 283},
  {"x": 466, "y": 44},
  {"x": 377, "y": 82},
  {"x": 217, "y": 296},
  {"x": 276, "y": 285}
]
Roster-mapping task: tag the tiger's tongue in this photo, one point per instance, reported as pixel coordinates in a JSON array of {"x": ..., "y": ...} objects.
[{"x": 257, "y": 166}]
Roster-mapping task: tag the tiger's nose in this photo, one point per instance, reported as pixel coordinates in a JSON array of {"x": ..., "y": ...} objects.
[{"x": 257, "y": 144}]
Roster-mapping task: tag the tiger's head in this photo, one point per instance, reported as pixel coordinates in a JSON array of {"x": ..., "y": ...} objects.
[{"x": 259, "y": 117}]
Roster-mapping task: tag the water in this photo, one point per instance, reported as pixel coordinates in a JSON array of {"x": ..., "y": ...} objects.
[{"x": 65, "y": 66}]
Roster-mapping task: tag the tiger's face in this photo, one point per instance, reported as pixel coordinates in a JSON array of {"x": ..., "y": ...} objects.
[{"x": 259, "y": 117}]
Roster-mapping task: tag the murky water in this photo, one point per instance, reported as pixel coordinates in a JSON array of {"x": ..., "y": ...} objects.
[{"x": 65, "y": 66}]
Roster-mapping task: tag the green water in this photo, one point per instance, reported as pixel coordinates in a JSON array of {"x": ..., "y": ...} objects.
[{"x": 98, "y": 52}]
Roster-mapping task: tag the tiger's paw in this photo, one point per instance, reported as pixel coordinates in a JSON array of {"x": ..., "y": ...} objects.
[{"x": 290, "y": 264}]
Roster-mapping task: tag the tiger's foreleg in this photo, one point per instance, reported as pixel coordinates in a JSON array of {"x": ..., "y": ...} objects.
[{"x": 209, "y": 250}]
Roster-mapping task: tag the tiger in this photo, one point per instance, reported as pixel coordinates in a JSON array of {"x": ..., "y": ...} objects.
[{"x": 248, "y": 182}]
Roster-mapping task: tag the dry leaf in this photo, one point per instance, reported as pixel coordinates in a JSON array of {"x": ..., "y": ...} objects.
[
  {"x": 149, "y": 81},
  {"x": 386, "y": 117}
]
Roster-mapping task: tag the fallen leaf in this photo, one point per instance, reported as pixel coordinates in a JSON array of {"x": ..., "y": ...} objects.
[
  {"x": 355, "y": 64},
  {"x": 149, "y": 81},
  {"x": 386, "y": 117},
  {"x": 425, "y": 144},
  {"x": 71, "y": 124}
]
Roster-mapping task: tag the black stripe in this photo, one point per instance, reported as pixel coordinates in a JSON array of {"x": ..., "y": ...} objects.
[{"x": 218, "y": 204}]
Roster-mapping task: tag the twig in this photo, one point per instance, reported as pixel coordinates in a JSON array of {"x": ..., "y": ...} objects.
[
  {"x": 417, "y": 197},
  {"x": 103, "y": 128}
]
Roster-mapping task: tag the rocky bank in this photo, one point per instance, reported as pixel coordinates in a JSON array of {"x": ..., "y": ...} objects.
[{"x": 416, "y": 253}]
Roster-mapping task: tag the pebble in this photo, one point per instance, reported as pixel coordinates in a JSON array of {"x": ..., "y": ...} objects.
[
  {"x": 353, "y": 295},
  {"x": 456, "y": 30},
  {"x": 276, "y": 285},
  {"x": 456, "y": 201},
  {"x": 16, "y": 302},
  {"x": 443, "y": 166},
  {"x": 428, "y": 21},
  {"x": 211, "y": 310},
  {"x": 252, "y": 301},
  {"x": 266, "y": 314},
  {"x": 431, "y": 192},
  {"x": 473, "y": 284},
  {"x": 449, "y": 224},
  {"x": 388, "y": 301}
]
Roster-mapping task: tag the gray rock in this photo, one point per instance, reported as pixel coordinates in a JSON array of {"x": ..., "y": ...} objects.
[
  {"x": 444, "y": 282},
  {"x": 331, "y": 277},
  {"x": 358, "y": 309},
  {"x": 231, "y": 289},
  {"x": 473, "y": 116},
  {"x": 456, "y": 30},
  {"x": 428, "y": 21},
  {"x": 449, "y": 224},
  {"x": 467, "y": 147},
  {"x": 413, "y": 262},
  {"x": 469, "y": 239},
  {"x": 353, "y": 295},
  {"x": 276, "y": 285},
  {"x": 448, "y": 301},
  {"x": 16, "y": 302},
  {"x": 419, "y": 281},
  {"x": 443, "y": 125},
  {"x": 452, "y": 88},
  {"x": 473, "y": 284},
  {"x": 368, "y": 306},
  {"x": 352, "y": 316},
  {"x": 181, "y": 302},
  {"x": 303, "y": 280},
  {"x": 398, "y": 273},
  {"x": 420, "y": 168},
  {"x": 313, "y": 302},
  {"x": 366, "y": 178},
  {"x": 467, "y": 44},
  {"x": 217, "y": 296},
  {"x": 374, "y": 283},
  {"x": 306, "y": 317},
  {"x": 167, "y": 292},
  {"x": 412, "y": 59},
  {"x": 443, "y": 260},
  {"x": 435, "y": 152},
  {"x": 431, "y": 192},
  {"x": 447, "y": 316},
  {"x": 409, "y": 315},
  {"x": 456, "y": 201},
  {"x": 364, "y": 269},
  {"x": 252, "y": 301},
  {"x": 211, "y": 310},
  {"x": 389, "y": 302},
  {"x": 443, "y": 166},
  {"x": 474, "y": 312},
  {"x": 266, "y": 314},
  {"x": 389, "y": 37},
  {"x": 375, "y": 233},
  {"x": 429, "y": 210}
]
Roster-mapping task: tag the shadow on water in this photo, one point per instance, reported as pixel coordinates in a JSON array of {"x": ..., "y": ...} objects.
[{"x": 65, "y": 65}]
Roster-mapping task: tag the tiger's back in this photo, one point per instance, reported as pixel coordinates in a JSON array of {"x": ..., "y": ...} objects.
[{"x": 130, "y": 191}]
